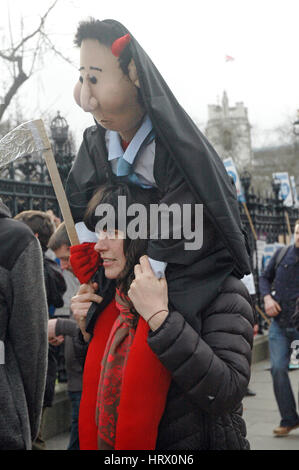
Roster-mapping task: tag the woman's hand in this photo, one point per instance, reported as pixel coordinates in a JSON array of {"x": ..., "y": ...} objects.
[
  {"x": 56, "y": 340},
  {"x": 148, "y": 294},
  {"x": 81, "y": 303}
]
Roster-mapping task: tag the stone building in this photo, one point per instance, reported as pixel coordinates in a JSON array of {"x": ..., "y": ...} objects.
[
  {"x": 228, "y": 129},
  {"x": 268, "y": 160}
]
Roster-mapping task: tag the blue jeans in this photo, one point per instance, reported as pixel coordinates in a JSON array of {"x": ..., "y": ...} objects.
[
  {"x": 75, "y": 398},
  {"x": 280, "y": 339}
]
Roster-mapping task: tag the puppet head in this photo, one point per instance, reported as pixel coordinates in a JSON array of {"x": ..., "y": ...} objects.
[{"x": 108, "y": 85}]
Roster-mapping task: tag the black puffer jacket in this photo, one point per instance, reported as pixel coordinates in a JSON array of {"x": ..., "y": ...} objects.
[
  {"x": 210, "y": 370},
  {"x": 55, "y": 288}
]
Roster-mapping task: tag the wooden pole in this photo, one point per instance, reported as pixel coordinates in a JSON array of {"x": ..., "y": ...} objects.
[
  {"x": 57, "y": 184},
  {"x": 262, "y": 314},
  {"x": 61, "y": 197},
  {"x": 288, "y": 223},
  {"x": 250, "y": 220},
  {"x": 255, "y": 237}
]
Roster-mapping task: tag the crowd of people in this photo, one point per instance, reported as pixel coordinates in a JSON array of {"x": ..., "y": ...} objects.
[
  {"x": 157, "y": 333},
  {"x": 125, "y": 393}
]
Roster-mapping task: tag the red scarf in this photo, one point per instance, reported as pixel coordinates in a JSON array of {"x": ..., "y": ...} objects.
[
  {"x": 91, "y": 377},
  {"x": 133, "y": 387}
]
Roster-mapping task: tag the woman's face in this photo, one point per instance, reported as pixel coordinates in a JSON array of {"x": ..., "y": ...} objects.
[{"x": 110, "y": 246}]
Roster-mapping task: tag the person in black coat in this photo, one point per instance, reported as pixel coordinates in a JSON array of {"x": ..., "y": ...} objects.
[{"x": 188, "y": 394}]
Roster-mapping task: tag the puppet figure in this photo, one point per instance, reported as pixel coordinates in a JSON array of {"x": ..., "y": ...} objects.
[{"x": 143, "y": 136}]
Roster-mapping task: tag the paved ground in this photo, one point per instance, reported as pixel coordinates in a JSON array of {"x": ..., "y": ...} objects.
[
  {"x": 59, "y": 442},
  {"x": 260, "y": 413}
]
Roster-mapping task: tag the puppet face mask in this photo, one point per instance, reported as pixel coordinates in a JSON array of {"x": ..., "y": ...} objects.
[{"x": 105, "y": 91}]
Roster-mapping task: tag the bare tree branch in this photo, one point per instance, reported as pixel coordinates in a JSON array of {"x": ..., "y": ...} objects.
[
  {"x": 11, "y": 40},
  {"x": 19, "y": 80},
  {"x": 15, "y": 55},
  {"x": 35, "y": 55},
  {"x": 38, "y": 30},
  {"x": 8, "y": 57},
  {"x": 53, "y": 48}
]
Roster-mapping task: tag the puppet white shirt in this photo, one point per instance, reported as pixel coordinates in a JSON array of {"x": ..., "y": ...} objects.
[
  {"x": 248, "y": 280},
  {"x": 140, "y": 153}
]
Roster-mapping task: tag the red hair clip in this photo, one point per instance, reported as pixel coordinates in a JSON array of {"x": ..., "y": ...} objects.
[{"x": 119, "y": 44}]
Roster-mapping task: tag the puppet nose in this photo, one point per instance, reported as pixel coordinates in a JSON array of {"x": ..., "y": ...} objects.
[
  {"x": 84, "y": 98},
  {"x": 77, "y": 93}
]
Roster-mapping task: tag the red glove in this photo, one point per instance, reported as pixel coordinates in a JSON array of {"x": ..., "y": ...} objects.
[{"x": 84, "y": 261}]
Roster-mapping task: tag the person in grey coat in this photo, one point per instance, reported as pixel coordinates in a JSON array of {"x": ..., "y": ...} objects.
[{"x": 23, "y": 334}]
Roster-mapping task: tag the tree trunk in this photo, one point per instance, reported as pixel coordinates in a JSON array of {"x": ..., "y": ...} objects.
[{"x": 18, "y": 81}]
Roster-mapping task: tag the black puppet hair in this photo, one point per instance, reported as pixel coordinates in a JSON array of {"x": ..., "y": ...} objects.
[
  {"x": 106, "y": 32},
  {"x": 133, "y": 249}
]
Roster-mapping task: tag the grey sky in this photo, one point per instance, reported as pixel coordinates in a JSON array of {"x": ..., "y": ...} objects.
[{"x": 188, "y": 41}]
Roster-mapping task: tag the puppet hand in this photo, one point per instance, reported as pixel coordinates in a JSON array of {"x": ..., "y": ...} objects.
[
  {"x": 57, "y": 340},
  {"x": 149, "y": 294},
  {"x": 51, "y": 328},
  {"x": 84, "y": 261}
]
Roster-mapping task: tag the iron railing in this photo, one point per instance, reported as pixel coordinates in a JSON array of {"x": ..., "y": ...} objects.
[{"x": 26, "y": 185}]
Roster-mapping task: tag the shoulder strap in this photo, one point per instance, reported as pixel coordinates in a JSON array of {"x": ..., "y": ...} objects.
[{"x": 280, "y": 255}]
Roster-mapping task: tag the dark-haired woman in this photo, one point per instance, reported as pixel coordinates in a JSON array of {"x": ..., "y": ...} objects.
[{"x": 164, "y": 382}]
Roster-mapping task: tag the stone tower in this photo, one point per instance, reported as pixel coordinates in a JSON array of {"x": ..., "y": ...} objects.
[{"x": 229, "y": 131}]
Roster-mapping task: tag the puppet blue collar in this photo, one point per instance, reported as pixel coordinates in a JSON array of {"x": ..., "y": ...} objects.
[{"x": 115, "y": 149}]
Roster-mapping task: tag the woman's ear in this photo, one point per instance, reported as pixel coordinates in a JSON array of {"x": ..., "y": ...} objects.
[{"x": 133, "y": 73}]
